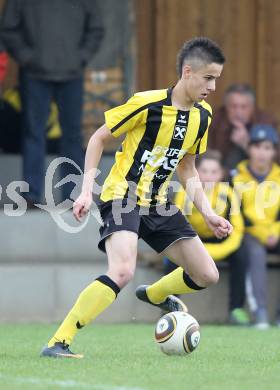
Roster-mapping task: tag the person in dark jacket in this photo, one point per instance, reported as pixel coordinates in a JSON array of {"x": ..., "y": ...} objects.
[{"x": 52, "y": 41}]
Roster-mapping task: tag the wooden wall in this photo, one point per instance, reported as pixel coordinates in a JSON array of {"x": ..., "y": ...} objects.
[{"x": 247, "y": 30}]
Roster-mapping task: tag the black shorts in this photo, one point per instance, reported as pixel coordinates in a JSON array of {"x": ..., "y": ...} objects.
[{"x": 157, "y": 230}]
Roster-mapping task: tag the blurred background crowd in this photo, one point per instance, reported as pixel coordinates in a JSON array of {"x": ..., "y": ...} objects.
[{"x": 63, "y": 63}]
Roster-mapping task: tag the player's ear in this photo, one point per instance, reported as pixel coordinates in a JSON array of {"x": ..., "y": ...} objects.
[{"x": 186, "y": 71}]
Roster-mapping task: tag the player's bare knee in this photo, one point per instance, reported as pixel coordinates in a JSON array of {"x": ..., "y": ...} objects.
[
  {"x": 124, "y": 275},
  {"x": 122, "y": 269},
  {"x": 206, "y": 278},
  {"x": 215, "y": 276},
  {"x": 210, "y": 277}
]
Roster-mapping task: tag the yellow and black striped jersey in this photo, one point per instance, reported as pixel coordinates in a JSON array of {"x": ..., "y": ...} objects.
[
  {"x": 259, "y": 201},
  {"x": 223, "y": 200},
  {"x": 158, "y": 135}
]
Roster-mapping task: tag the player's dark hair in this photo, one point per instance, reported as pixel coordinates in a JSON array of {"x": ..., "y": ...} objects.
[
  {"x": 210, "y": 154},
  {"x": 243, "y": 89},
  {"x": 201, "y": 48}
]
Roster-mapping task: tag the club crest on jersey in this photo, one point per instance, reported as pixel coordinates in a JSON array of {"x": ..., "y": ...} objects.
[{"x": 179, "y": 132}]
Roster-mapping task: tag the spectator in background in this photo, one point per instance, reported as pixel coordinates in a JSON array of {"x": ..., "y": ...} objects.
[
  {"x": 11, "y": 129},
  {"x": 229, "y": 131},
  {"x": 260, "y": 205},
  {"x": 223, "y": 201},
  {"x": 52, "y": 41}
]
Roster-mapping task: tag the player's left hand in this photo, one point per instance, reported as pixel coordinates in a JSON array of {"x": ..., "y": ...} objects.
[{"x": 219, "y": 226}]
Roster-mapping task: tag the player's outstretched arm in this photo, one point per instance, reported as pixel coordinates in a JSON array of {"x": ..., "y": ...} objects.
[
  {"x": 93, "y": 154},
  {"x": 190, "y": 180}
]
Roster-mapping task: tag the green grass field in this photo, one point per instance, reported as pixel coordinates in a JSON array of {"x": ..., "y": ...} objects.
[{"x": 124, "y": 357}]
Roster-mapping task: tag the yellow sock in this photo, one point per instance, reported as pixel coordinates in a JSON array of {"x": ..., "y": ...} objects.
[
  {"x": 177, "y": 282},
  {"x": 92, "y": 301}
]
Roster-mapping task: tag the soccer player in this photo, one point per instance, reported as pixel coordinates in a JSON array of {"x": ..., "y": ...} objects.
[{"x": 165, "y": 129}]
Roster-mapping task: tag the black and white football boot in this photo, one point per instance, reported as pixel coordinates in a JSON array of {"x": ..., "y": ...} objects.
[{"x": 171, "y": 303}]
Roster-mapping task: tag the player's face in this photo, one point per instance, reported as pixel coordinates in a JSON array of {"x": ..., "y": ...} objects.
[
  {"x": 210, "y": 171},
  {"x": 261, "y": 154},
  {"x": 199, "y": 83},
  {"x": 239, "y": 107}
]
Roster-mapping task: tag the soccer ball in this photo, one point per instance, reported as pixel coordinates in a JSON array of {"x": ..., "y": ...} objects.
[{"x": 177, "y": 333}]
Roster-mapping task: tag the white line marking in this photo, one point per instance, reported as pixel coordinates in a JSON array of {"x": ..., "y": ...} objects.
[{"x": 65, "y": 383}]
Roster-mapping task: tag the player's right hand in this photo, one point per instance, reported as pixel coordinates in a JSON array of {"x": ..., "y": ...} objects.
[{"x": 81, "y": 206}]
